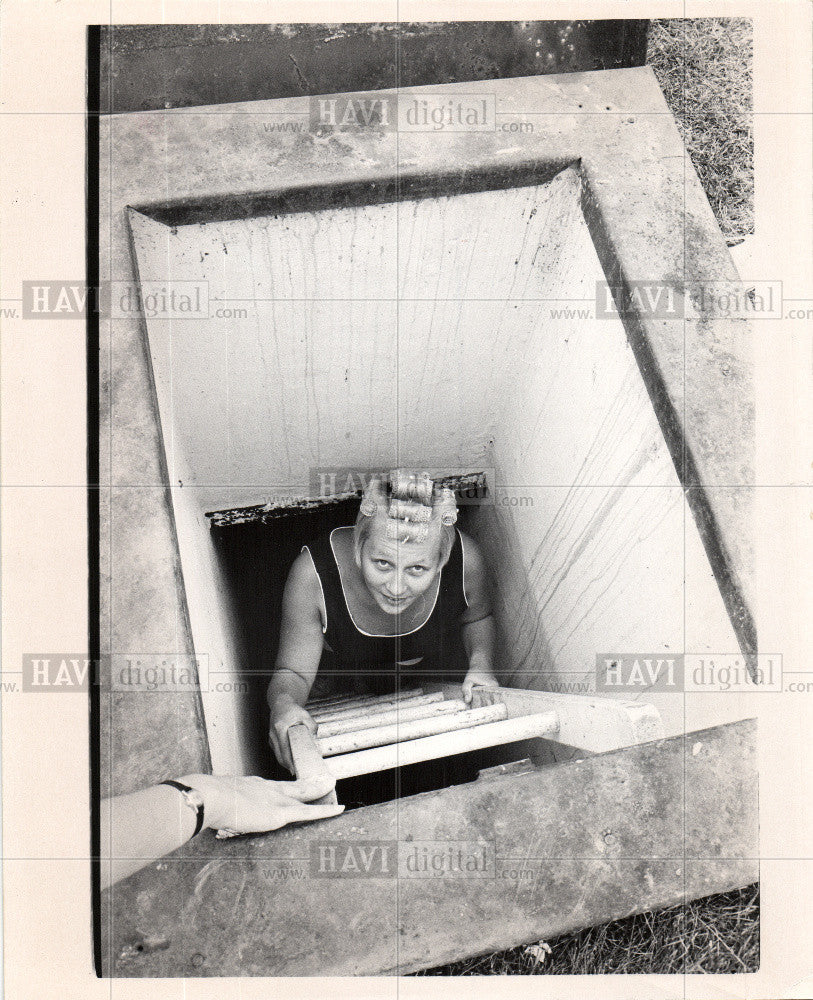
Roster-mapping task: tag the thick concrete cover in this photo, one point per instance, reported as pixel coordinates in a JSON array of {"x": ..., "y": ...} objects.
[
  {"x": 424, "y": 329},
  {"x": 573, "y": 845}
]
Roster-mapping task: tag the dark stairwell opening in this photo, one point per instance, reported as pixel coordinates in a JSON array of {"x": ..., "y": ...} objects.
[{"x": 256, "y": 547}]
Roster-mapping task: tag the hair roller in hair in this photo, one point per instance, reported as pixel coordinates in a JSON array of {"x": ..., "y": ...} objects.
[
  {"x": 400, "y": 482},
  {"x": 411, "y": 486},
  {"x": 370, "y": 500},
  {"x": 405, "y": 531},
  {"x": 406, "y": 511},
  {"x": 447, "y": 507},
  {"x": 423, "y": 489}
]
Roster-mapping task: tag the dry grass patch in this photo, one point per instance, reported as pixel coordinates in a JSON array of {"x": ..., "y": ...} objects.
[{"x": 705, "y": 69}]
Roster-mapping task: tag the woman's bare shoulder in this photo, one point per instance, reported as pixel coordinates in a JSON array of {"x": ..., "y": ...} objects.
[
  {"x": 303, "y": 580},
  {"x": 472, "y": 552}
]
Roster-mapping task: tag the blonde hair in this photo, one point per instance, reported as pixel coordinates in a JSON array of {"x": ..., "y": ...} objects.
[{"x": 414, "y": 510}]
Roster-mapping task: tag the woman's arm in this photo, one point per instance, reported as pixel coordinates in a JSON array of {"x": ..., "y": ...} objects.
[
  {"x": 300, "y": 649},
  {"x": 478, "y": 622},
  {"x": 143, "y": 826}
]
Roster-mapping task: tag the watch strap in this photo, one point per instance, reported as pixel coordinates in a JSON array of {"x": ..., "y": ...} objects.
[{"x": 193, "y": 799}]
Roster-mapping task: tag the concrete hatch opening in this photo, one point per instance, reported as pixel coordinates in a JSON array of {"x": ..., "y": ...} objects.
[
  {"x": 255, "y": 547},
  {"x": 454, "y": 331}
]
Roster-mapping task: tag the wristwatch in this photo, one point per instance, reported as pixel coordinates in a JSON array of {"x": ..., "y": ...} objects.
[{"x": 193, "y": 799}]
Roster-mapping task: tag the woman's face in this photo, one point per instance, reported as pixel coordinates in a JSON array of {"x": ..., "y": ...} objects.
[{"x": 397, "y": 573}]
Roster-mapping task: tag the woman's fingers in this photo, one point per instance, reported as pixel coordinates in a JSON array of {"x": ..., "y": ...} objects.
[
  {"x": 325, "y": 811},
  {"x": 283, "y": 803},
  {"x": 278, "y": 735},
  {"x": 273, "y": 739},
  {"x": 282, "y": 749},
  {"x": 302, "y": 812},
  {"x": 306, "y": 789}
]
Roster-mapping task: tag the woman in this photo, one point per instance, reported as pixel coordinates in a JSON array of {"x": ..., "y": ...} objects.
[{"x": 399, "y": 596}]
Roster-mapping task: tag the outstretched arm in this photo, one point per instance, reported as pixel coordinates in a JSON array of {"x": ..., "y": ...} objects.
[
  {"x": 143, "y": 826},
  {"x": 478, "y": 621},
  {"x": 300, "y": 649}
]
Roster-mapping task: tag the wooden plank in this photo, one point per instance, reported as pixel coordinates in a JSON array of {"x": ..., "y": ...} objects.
[
  {"x": 443, "y": 745},
  {"x": 361, "y": 700},
  {"x": 384, "y": 702},
  {"x": 398, "y": 732},
  {"x": 589, "y": 722},
  {"x": 330, "y": 699},
  {"x": 307, "y": 759},
  {"x": 383, "y": 718}
]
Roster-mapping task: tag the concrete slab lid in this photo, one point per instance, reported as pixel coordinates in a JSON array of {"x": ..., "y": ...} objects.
[{"x": 601, "y": 838}]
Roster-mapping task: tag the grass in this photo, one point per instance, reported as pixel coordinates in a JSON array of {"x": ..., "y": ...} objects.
[
  {"x": 705, "y": 69},
  {"x": 718, "y": 934}
]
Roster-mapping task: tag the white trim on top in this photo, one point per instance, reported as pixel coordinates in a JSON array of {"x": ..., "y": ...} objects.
[
  {"x": 463, "y": 552},
  {"x": 319, "y": 578},
  {"x": 374, "y": 635}
]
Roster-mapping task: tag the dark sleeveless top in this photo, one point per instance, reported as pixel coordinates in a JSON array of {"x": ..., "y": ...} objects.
[{"x": 438, "y": 639}]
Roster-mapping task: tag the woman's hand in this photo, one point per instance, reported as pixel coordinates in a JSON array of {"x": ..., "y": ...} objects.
[
  {"x": 284, "y": 714},
  {"x": 478, "y": 678},
  {"x": 478, "y": 628},
  {"x": 255, "y": 805}
]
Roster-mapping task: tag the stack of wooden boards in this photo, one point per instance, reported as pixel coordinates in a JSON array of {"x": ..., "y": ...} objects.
[{"x": 362, "y": 735}]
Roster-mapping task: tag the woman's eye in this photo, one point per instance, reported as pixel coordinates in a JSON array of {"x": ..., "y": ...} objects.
[
  {"x": 382, "y": 563},
  {"x": 417, "y": 570}
]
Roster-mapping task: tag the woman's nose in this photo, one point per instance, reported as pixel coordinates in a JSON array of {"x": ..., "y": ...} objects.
[{"x": 398, "y": 585}]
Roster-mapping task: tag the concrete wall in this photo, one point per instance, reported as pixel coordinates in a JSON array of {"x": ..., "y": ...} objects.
[
  {"x": 593, "y": 545},
  {"x": 423, "y": 329},
  {"x": 620, "y": 833},
  {"x": 372, "y": 332},
  {"x": 157, "y": 66},
  {"x": 196, "y": 165}
]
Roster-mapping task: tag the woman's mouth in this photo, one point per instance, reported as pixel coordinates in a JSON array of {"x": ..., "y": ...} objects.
[{"x": 395, "y": 602}]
